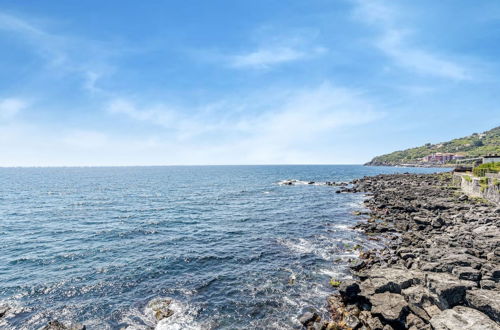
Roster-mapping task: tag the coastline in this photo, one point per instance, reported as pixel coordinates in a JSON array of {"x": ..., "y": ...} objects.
[{"x": 440, "y": 268}]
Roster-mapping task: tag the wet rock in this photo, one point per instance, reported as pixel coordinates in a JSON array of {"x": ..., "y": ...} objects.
[
  {"x": 351, "y": 321},
  {"x": 462, "y": 318},
  {"x": 357, "y": 265},
  {"x": 486, "y": 301},
  {"x": 160, "y": 308},
  {"x": 439, "y": 251},
  {"x": 308, "y": 318},
  {"x": 57, "y": 325},
  {"x": 4, "y": 309},
  {"x": 349, "y": 290}
]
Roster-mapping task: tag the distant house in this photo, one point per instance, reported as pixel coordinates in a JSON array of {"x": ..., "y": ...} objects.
[
  {"x": 441, "y": 157},
  {"x": 491, "y": 159}
]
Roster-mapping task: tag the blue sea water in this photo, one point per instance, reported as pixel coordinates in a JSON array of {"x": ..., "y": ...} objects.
[{"x": 232, "y": 247}]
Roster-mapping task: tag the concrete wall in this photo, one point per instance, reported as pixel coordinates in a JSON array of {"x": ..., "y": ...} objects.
[{"x": 473, "y": 187}]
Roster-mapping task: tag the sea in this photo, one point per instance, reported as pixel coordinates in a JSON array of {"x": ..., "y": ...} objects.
[{"x": 231, "y": 246}]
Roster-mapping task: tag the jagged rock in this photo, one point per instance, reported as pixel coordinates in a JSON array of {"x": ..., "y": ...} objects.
[
  {"x": 444, "y": 248},
  {"x": 434, "y": 267},
  {"x": 462, "y": 259},
  {"x": 391, "y": 306},
  {"x": 462, "y": 318},
  {"x": 389, "y": 280},
  {"x": 487, "y": 301},
  {"x": 487, "y": 284},
  {"x": 4, "y": 309},
  {"x": 308, "y": 318},
  {"x": 160, "y": 308},
  {"x": 467, "y": 273},
  {"x": 349, "y": 290},
  {"x": 351, "y": 321},
  {"x": 416, "y": 323},
  {"x": 438, "y": 222},
  {"x": 449, "y": 289},
  {"x": 421, "y": 313},
  {"x": 370, "y": 321},
  {"x": 432, "y": 310},
  {"x": 56, "y": 325}
]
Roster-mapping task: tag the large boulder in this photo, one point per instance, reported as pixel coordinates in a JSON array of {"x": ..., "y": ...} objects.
[
  {"x": 463, "y": 260},
  {"x": 349, "y": 290},
  {"x": 392, "y": 307},
  {"x": 389, "y": 280},
  {"x": 449, "y": 289},
  {"x": 462, "y": 318},
  {"x": 419, "y": 295},
  {"x": 487, "y": 301}
]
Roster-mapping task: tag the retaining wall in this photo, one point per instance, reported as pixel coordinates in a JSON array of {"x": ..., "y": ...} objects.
[{"x": 477, "y": 187}]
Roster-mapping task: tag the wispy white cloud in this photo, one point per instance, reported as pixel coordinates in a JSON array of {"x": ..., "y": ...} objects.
[
  {"x": 67, "y": 55},
  {"x": 395, "y": 41},
  {"x": 264, "y": 58},
  {"x": 266, "y": 48},
  {"x": 290, "y": 128},
  {"x": 10, "y": 107}
]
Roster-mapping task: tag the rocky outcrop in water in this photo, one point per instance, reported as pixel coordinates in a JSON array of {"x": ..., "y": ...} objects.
[{"x": 441, "y": 265}]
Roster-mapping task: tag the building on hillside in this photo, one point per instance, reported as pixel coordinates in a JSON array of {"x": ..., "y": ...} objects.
[
  {"x": 441, "y": 157},
  {"x": 491, "y": 159}
]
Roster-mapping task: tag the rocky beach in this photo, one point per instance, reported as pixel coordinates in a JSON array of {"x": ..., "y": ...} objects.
[{"x": 440, "y": 265}]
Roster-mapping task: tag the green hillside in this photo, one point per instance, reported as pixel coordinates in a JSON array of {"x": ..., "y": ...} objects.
[{"x": 471, "y": 146}]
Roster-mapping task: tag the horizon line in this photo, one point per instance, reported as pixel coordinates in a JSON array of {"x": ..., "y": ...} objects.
[{"x": 170, "y": 165}]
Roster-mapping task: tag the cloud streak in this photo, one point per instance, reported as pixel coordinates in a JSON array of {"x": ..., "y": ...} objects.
[
  {"x": 264, "y": 58},
  {"x": 67, "y": 55},
  {"x": 281, "y": 132},
  {"x": 395, "y": 41},
  {"x": 10, "y": 107}
]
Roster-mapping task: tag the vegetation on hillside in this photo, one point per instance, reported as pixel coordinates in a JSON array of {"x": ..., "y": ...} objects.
[
  {"x": 482, "y": 169},
  {"x": 474, "y": 145}
]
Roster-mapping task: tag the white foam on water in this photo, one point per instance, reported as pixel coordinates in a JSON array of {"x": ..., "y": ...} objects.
[
  {"x": 183, "y": 318},
  {"x": 301, "y": 246}
]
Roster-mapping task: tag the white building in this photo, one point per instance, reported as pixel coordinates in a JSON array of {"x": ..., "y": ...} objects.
[{"x": 491, "y": 159}]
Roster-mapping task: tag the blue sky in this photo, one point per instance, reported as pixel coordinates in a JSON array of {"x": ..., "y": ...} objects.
[{"x": 242, "y": 82}]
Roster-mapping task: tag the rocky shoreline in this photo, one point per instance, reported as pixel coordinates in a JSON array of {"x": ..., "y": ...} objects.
[{"x": 440, "y": 268}]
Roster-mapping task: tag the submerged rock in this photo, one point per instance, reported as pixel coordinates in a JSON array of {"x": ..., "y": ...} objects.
[
  {"x": 308, "y": 318},
  {"x": 160, "y": 308},
  {"x": 57, "y": 325}
]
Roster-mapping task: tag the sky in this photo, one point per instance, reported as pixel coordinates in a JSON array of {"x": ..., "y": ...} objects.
[{"x": 183, "y": 82}]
